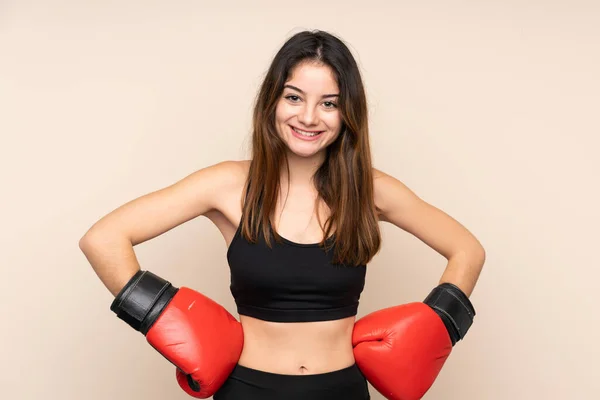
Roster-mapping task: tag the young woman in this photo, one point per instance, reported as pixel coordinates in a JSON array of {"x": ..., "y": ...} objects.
[{"x": 300, "y": 219}]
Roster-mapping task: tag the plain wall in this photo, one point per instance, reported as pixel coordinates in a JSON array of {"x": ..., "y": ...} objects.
[{"x": 487, "y": 109}]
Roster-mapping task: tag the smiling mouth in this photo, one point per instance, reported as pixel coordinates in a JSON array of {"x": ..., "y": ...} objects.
[{"x": 306, "y": 133}]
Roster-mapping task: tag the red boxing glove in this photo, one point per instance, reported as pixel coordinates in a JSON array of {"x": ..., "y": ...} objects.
[
  {"x": 401, "y": 349},
  {"x": 202, "y": 339}
]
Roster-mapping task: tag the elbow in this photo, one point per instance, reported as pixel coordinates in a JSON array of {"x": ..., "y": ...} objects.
[
  {"x": 91, "y": 235},
  {"x": 94, "y": 238},
  {"x": 476, "y": 257},
  {"x": 476, "y": 253},
  {"x": 481, "y": 254},
  {"x": 86, "y": 241}
]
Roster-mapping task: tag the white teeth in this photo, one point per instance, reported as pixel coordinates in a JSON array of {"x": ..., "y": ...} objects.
[{"x": 304, "y": 133}]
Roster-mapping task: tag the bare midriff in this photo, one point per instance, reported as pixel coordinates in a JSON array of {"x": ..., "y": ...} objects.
[{"x": 297, "y": 348}]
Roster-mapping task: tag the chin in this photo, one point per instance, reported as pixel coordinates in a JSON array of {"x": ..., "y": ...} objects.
[
  {"x": 306, "y": 149},
  {"x": 303, "y": 154}
]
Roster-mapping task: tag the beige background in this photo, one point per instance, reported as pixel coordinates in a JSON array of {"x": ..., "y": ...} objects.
[{"x": 487, "y": 109}]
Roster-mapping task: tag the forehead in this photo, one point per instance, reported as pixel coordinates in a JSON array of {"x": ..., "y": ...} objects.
[{"x": 313, "y": 78}]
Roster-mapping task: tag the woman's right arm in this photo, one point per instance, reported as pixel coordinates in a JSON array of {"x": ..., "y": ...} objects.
[{"x": 108, "y": 244}]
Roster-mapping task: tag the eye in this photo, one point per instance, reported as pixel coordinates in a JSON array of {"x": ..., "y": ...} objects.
[
  {"x": 330, "y": 104},
  {"x": 292, "y": 98}
]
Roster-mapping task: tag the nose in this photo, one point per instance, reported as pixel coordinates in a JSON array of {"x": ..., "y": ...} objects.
[{"x": 308, "y": 116}]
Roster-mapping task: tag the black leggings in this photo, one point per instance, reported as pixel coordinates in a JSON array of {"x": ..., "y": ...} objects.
[{"x": 249, "y": 384}]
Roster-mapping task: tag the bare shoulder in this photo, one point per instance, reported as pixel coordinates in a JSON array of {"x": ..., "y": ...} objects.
[
  {"x": 236, "y": 172},
  {"x": 216, "y": 178},
  {"x": 391, "y": 195},
  {"x": 231, "y": 172},
  {"x": 377, "y": 173},
  {"x": 229, "y": 177}
]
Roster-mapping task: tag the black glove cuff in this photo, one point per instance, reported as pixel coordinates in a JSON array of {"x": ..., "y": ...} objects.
[
  {"x": 142, "y": 300},
  {"x": 454, "y": 307}
]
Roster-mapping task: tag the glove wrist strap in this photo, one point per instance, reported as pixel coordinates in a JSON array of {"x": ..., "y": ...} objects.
[
  {"x": 454, "y": 307},
  {"x": 142, "y": 300}
]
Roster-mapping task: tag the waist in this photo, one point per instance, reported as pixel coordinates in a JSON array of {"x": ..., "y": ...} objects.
[{"x": 297, "y": 348}]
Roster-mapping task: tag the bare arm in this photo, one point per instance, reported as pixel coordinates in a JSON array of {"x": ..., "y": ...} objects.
[
  {"x": 108, "y": 244},
  {"x": 403, "y": 208}
]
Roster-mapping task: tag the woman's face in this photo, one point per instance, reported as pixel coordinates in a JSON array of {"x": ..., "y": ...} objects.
[{"x": 307, "y": 117}]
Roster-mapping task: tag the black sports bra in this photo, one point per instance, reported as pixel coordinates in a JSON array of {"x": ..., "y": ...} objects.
[{"x": 292, "y": 282}]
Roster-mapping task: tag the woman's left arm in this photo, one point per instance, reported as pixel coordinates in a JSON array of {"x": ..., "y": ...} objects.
[{"x": 401, "y": 207}]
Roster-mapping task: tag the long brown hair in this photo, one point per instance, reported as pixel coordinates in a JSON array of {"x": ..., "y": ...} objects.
[{"x": 344, "y": 181}]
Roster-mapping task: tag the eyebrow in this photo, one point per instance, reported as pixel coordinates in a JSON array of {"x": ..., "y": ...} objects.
[{"x": 301, "y": 91}]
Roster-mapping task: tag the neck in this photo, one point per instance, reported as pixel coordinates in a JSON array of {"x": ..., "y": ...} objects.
[{"x": 302, "y": 170}]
